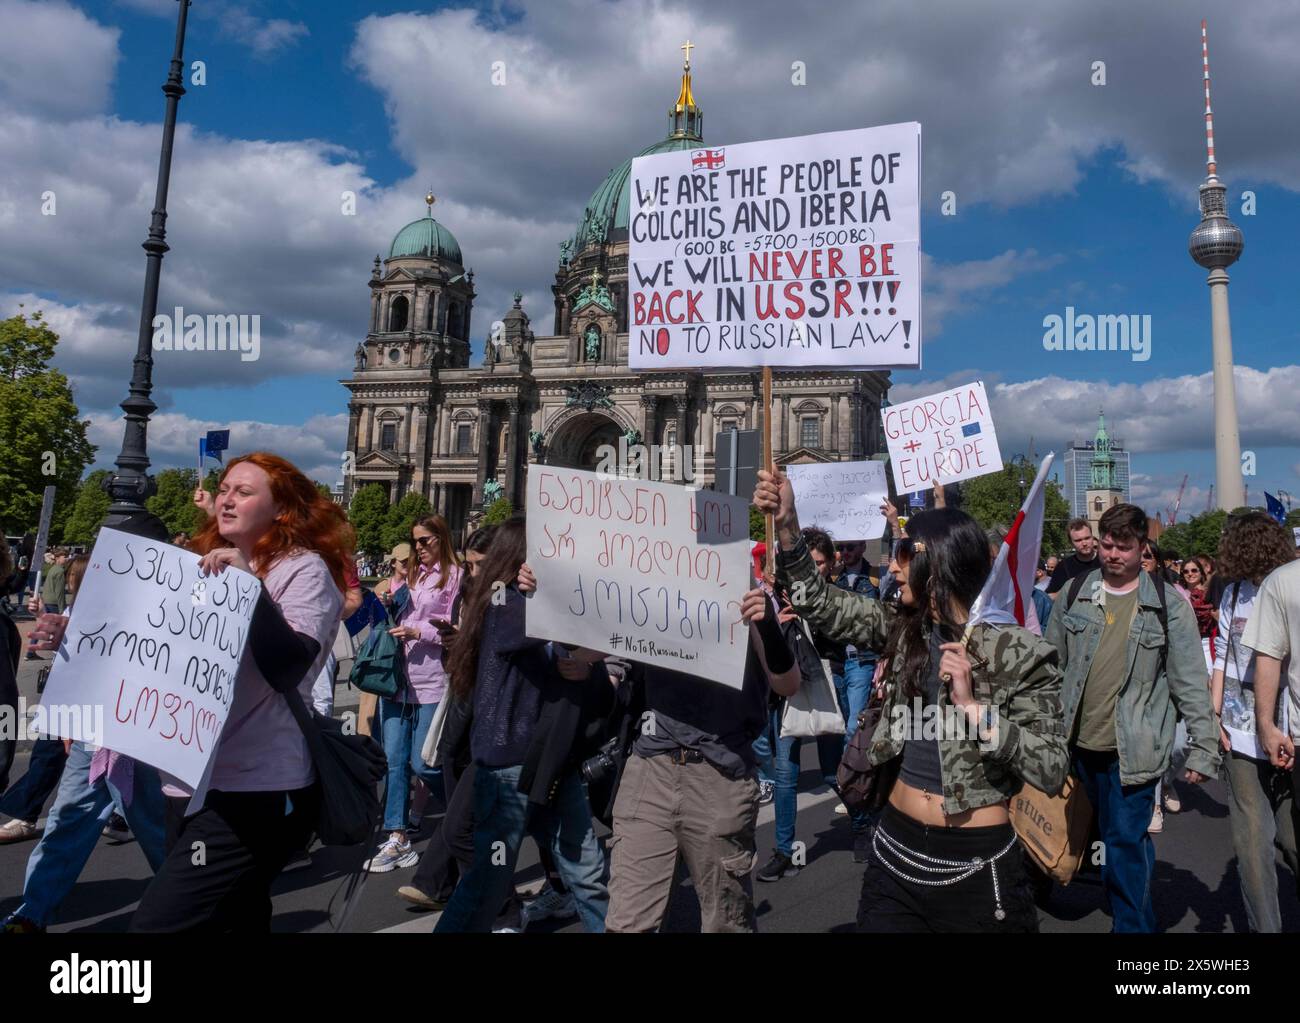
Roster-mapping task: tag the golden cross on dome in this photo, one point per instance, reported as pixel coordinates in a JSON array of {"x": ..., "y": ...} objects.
[
  {"x": 686, "y": 48},
  {"x": 429, "y": 200}
]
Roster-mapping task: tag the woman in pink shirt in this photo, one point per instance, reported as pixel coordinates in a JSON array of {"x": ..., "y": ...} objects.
[
  {"x": 262, "y": 800},
  {"x": 432, "y": 580}
]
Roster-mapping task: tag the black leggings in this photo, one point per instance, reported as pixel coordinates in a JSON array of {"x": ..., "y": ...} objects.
[
  {"x": 222, "y": 861},
  {"x": 891, "y": 904}
]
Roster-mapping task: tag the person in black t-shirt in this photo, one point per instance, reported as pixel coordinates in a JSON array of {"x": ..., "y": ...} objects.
[{"x": 1083, "y": 560}]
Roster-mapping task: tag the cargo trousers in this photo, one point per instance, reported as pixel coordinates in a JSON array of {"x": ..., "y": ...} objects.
[{"x": 666, "y": 807}]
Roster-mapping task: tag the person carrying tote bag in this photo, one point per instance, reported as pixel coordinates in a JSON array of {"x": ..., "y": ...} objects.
[{"x": 814, "y": 710}]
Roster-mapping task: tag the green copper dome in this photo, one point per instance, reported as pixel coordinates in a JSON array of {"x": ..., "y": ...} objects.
[
  {"x": 605, "y": 218},
  {"x": 607, "y": 209},
  {"x": 425, "y": 237}
]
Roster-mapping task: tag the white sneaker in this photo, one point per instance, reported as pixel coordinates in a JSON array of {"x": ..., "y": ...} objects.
[
  {"x": 16, "y": 831},
  {"x": 392, "y": 854},
  {"x": 549, "y": 904},
  {"x": 841, "y": 809},
  {"x": 1157, "y": 824},
  {"x": 1172, "y": 803}
]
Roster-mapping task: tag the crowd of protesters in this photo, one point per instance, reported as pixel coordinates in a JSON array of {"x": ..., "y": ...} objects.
[{"x": 1134, "y": 673}]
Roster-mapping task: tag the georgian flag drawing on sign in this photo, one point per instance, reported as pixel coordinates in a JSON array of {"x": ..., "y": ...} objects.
[{"x": 709, "y": 159}]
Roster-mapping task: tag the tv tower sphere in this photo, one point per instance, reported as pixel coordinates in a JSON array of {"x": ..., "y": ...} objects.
[{"x": 1216, "y": 243}]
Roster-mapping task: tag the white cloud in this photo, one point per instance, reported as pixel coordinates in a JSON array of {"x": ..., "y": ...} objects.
[
  {"x": 262, "y": 35},
  {"x": 314, "y": 446},
  {"x": 54, "y": 61}
]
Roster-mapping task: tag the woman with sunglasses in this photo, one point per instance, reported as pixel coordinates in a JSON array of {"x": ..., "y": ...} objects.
[
  {"x": 432, "y": 580},
  {"x": 1196, "y": 579},
  {"x": 944, "y": 857}
]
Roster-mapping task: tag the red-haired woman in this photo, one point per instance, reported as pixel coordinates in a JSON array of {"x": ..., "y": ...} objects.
[
  {"x": 432, "y": 580},
  {"x": 268, "y": 519}
]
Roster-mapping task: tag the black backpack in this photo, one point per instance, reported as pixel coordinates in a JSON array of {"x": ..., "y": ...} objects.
[{"x": 1076, "y": 584}]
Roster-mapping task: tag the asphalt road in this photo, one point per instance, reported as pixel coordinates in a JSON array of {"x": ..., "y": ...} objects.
[{"x": 1196, "y": 886}]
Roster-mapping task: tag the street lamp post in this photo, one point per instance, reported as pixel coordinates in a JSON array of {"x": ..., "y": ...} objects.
[{"x": 131, "y": 484}]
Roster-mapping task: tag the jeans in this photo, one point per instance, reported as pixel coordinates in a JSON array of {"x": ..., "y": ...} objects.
[
  {"x": 404, "y": 727},
  {"x": 1262, "y": 810},
  {"x": 1177, "y": 760},
  {"x": 783, "y": 771},
  {"x": 75, "y": 821},
  {"x": 853, "y": 687},
  {"x": 26, "y": 797},
  {"x": 1123, "y": 816},
  {"x": 502, "y": 816},
  {"x": 322, "y": 690}
]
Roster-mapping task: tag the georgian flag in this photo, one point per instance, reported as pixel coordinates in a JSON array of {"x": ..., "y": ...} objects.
[
  {"x": 1006, "y": 598},
  {"x": 709, "y": 159}
]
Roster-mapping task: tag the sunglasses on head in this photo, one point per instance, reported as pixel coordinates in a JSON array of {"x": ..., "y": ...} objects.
[{"x": 906, "y": 547}]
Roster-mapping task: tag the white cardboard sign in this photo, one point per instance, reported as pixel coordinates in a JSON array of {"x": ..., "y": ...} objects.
[
  {"x": 945, "y": 437},
  {"x": 843, "y": 498},
  {"x": 654, "y": 572},
  {"x": 787, "y": 252},
  {"x": 152, "y": 650}
]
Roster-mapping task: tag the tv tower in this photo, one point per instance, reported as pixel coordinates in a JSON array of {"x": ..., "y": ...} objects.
[{"x": 1216, "y": 244}]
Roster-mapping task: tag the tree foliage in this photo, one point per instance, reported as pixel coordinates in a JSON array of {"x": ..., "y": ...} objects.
[
  {"x": 42, "y": 436},
  {"x": 1198, "y": 535},
  {"x": 995, "y": 499},
  {"x": 89, "y": 508},
  {"x": 174, "y": 502},
  {"x": 397, "y": 525},
  {"x": 757, "y": 525},
  {"x": 368, "y": 514},
  {"x": 498, "y": 511}
]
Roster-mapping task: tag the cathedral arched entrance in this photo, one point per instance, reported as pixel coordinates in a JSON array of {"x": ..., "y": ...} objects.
[{"x": 577, "y": 441}]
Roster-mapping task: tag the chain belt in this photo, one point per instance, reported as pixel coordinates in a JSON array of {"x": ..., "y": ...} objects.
[{"x": 957, "y": 870}]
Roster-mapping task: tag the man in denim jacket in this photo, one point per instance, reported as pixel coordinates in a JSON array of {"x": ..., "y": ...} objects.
[{"x": 1126, "y": 684}]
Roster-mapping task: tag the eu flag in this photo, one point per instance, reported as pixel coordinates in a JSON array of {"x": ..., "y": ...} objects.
[
  {"x": 216, "y": 442},
  {"x": 1275, "y": 508}
]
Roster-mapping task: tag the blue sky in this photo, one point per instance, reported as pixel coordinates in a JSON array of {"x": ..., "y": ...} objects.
[{"x": 1068, "y": 193}]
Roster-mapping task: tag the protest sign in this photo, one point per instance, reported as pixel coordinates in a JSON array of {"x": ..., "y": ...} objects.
[
  {"x": 946, "y": 437},
  {"x": 157, "y": 646},
  {"x": 843, "y": 498},
  {"x": 650, "y": 571},
  {"x": 787, "y": 252}
]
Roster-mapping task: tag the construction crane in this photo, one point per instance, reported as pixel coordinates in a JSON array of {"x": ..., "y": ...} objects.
[{"x": 1173, "y": 510}]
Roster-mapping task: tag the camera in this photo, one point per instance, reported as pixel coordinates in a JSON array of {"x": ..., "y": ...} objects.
[{"x": 605, "y": 762}]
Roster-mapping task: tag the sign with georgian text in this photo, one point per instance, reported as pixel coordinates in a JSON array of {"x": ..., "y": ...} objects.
[
  {"x": 158, "y": 646},
  {"x": 653, "y": 572}
]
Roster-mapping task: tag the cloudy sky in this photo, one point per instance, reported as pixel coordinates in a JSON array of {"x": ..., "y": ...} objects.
[{"x": 1068, "y": 193}]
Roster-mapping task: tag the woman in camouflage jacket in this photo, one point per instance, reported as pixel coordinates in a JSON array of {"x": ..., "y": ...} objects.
[{"x": 969, "y": 713}]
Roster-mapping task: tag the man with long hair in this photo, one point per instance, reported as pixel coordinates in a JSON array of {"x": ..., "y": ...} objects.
[{"x": 1261, "y": 804}]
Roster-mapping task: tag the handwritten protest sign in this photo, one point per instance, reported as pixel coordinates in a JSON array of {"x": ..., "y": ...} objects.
[
  {"x": 651, "y": 571},
  {"x": 945, "y": 437},
  {"x": 157, "y": 645},
  {"x": 787, "y": 252},
  {"x": 843, "y": 498}
]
